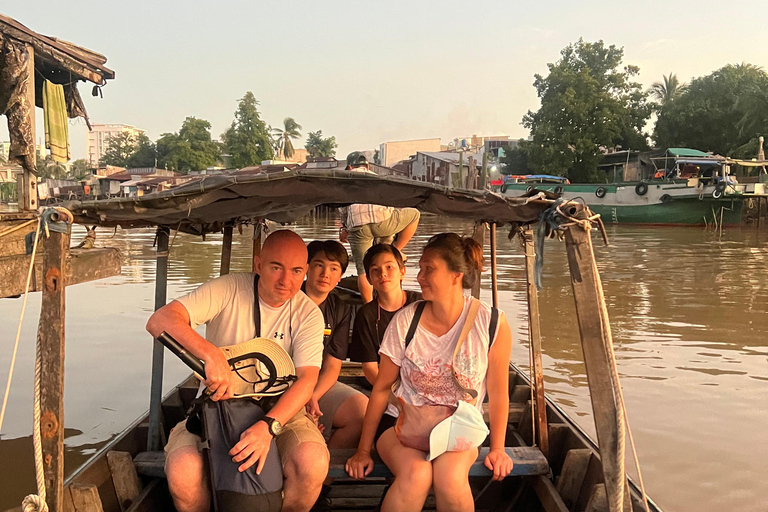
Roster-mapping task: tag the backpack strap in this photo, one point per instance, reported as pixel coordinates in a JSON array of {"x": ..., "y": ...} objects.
[
  {"x": 414, "y": 322},
  {"x": 256, "y": 307},
  {"x": 492, "y": 326}
]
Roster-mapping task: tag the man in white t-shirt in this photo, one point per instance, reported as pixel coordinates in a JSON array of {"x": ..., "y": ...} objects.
[{"x": 226, "y": 306}]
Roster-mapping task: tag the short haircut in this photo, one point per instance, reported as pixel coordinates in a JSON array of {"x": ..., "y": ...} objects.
[
  {"x": 377, "y": 249},
  {"x": 332, "y": 249}
]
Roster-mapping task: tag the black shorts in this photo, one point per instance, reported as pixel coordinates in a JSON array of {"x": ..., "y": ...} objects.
[{"x": 385, "y": 424}]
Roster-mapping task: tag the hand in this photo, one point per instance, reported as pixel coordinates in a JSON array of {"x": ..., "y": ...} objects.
[
  {"x": 253, "y": 447},
  {"x": 343, "y": 235},
  {"x": 218, "y": 376},
  {"x": 313, "y": 409},
  {"x": 359, "y": 465},
  {"x": 499, "y": 462}
]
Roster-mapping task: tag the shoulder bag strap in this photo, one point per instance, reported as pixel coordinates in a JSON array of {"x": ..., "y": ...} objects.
[
  {"x": 474, "y": 306},
  {"x": 256, "y": 307},
  {"x": 414, "y": 322}
]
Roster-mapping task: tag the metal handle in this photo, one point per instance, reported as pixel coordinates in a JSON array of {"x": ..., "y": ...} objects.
[{"x": 174, "y": 346}]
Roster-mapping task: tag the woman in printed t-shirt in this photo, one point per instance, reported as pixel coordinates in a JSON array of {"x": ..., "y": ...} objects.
[
  {"x": 384, "y": 269},
  {"x": 448, "y": 265}
]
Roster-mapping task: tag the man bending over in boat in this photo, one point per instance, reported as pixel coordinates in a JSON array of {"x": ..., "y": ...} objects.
[
  {"x": 226, "y": 306},
  {"x": 338, "y": 408},
  {"x": 384, "y": 270},
  {"x": 366, "y": 224}
]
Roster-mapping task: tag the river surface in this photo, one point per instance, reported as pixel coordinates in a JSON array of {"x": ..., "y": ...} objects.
[{"x": 689, "y": 313}]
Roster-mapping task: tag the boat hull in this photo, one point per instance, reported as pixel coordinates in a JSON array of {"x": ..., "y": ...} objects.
[{"x": 663, "y": 203}]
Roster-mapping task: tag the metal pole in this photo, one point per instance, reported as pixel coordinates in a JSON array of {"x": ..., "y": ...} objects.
[
  {"x": 257, "y": 231},
  {"x": 494, "y": 278},
  {"x": 534, "y": 329},
  {"x": 479, "y": 235},
  {"x": 226, "y": 249},
  {"x": 156, "y": 390},
  {"x": 484, "y": 176}
]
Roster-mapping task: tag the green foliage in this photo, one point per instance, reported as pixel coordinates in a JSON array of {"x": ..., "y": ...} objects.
[
  {"x": 247, "y": 141},
  {"x": 720, "y": 112},
  {"x": 668, "y": 90},
  {"x": 515, "y": 161},
  {"x": 8, "y": 192},
  {"x": 80, "y": 169},
  {"x": 119, "y": 148},
  {"x": 587, "y": 104},
  {"x": 283, "y": 137},
  {"x": 191, "y": 149},
  {"x": 317, "y": 146},
  {"x": 144, "y": 154}
]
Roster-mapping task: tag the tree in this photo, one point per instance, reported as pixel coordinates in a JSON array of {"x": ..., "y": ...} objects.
[
  {"x": 80, "y": 169},
  {"x": 720, "y": 112},
  {"x": 119, "y": 148},
  {"x": 515, "y": 161},
  {"x": 191, "y": 149},
  {"x": 247, "y": 141},
  {"x": 587, "y": 104},
  {"x": 667, "y": 90},
  {"x": 317, "y": 146},
  {"x": 283, "y": 137},
  {"x": 144, "y": 153}
]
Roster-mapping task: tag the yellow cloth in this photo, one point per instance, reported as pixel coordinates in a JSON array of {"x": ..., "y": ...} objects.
[{"x": 56, "y": 126}]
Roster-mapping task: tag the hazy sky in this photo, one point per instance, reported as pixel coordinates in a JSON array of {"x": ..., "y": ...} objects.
[{"x": 369, "y": 72}]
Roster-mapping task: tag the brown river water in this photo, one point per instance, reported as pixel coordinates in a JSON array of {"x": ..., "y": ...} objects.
[{"x": 689, "y": 313}]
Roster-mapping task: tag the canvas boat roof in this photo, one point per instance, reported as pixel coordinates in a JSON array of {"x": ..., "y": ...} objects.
[{"x": 203, "y": 206}]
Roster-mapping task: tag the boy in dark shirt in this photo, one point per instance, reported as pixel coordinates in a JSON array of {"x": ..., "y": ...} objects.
[
  {"x": 338, "y": 408},
  {"x": 385, "y": 270}
]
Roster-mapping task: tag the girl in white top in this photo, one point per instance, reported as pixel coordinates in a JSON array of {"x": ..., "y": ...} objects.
[{"x": 448, "y": 265}]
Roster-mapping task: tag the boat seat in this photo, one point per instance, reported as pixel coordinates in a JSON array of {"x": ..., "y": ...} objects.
[{"x": 528, "y": 461}]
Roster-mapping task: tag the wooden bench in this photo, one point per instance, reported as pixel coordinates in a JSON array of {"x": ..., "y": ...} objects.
[{"x": 528, "y": 461}]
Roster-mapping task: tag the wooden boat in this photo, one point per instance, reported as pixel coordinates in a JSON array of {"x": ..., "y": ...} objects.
[{"x": 557, "y": 467}]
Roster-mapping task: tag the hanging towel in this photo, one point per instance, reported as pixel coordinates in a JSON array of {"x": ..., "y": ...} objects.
[{"x": 56, "y": 126}]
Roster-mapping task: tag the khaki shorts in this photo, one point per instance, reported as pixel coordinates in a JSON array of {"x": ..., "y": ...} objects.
[
  {"x": 330, "y": 403},
  {"x": 361, "y": 238},
  {"x": 300, "y": 429}
]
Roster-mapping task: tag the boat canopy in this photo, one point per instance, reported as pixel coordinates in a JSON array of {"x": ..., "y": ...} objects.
[
  {"x": 698, "y": 161},
  {"x": 687, "y": 152},
  {"x": 204, "y": 206}
]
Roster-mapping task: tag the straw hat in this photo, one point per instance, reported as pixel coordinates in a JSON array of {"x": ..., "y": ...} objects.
[
  {"x": 261, "y": 367},
  {"x": 461, "y": 431}
]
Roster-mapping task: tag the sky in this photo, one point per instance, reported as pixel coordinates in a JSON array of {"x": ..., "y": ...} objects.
[{"x": 370, "y": 72}]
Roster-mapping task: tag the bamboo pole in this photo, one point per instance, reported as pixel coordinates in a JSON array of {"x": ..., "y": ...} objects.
[
  {"x": 50, "y": 334},
  {"x": 156, "y": 391},
  {"x": 596, "y": 341},
  {"x": 226, "y": 249},
  {"x": 257, "y": 241},
  {"x": 28, "y": 199},
  {"x": 494, "y": 277},
  {"x": 534, "y": 330}
]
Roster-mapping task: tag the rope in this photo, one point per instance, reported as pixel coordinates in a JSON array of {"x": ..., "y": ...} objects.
[{"x": 18, "y": 227}]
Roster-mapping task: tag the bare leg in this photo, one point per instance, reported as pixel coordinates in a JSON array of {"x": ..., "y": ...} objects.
[
  {"x": 348, "y": 422},
  {"x": 450, "y": 478},
  {"x": 187, "y": 480},
  {"x": 304, "y": 472},
  {"x": 413, "y": 474},
  {"x": 365, "y": 288}
]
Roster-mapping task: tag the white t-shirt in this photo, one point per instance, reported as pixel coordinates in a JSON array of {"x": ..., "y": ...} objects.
[
  {"x": 425, "y": 366},
  {"x": 225, "y": 305}
]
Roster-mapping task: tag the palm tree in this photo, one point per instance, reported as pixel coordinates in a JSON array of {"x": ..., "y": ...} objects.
[
  {"x": 753, "y": 106},
  {"x": 668, "y": 90},
  {"x": 290, "y": 131}
]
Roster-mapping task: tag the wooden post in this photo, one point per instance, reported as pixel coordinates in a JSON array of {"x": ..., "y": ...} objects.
[
  {"x": 461, "y": 169},
  {"x": 50, "y": 339},
  {"x": 534, "y": 330},
  {"x": 156, "y": 389},
  {"x": 596, "y": 342},
  {"x": 28, "y": 199},
  {"x": 226, "y": 249},
  {"x": 494, "y": 277},
  {"x": 479, "y": 235},
  {"x": 484, "y": 173},
  {"x": 257, "y": 241}
]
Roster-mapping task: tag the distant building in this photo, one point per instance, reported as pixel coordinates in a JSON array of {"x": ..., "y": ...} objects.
[
  {"x": 5, "y": 150},
  {"x": 392, "y": 152},
  {"x": 97, "y": 139},
  {"x": 441, "y": 167}
]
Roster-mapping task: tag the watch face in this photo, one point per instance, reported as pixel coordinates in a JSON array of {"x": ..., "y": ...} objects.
[{"x": 274, "y": 426}]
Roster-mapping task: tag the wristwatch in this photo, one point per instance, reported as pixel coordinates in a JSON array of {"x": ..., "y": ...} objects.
[{"x": 274, "y": 426}]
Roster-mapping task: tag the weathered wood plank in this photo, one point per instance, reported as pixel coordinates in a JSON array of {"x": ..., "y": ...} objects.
[
  {"x": 598, "y": 500},
  {"x": 15, "y": 227},
  {"x": 226, "y": 250},
  {"x": 50, "y": 339},
  {"x": 82, "y": 265},
  {"x": 86, "y": 498},
  {"x": 548, "y": 496},
  {"x": 28, "y": 190},
  {"x": 124, "y": 477},
  {"x": 571, "y": 478}
]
